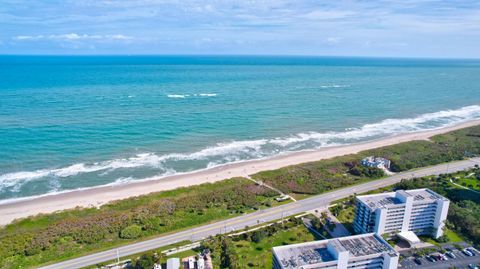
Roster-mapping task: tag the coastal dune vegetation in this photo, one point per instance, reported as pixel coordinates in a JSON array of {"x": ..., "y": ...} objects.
[
  {"x": 326, "y": 175},
  {"x": 53, "y": 237}
]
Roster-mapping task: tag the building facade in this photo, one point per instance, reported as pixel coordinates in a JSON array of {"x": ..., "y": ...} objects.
[
  {"x": 173, "y": 263},
  {"x": 377, "y": 162},
  {"x": 365, "y": 251},
  {"x": 421, "y": 211}
]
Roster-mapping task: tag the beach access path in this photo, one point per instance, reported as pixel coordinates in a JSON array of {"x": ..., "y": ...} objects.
[{"x": 266, "y": 215}]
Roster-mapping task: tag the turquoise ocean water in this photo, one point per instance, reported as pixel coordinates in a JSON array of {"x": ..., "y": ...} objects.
[{"x": 79, "y": 122}]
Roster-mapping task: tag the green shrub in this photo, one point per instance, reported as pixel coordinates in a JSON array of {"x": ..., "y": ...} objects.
[{"x": 131, "y": 232}]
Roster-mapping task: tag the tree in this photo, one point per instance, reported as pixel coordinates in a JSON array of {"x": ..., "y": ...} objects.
[
  {"x": 227, "y": 257},
  {"x": 316, "y": 224},
  {"x": 258, "y": 236},
  {"x": 146, "y": 261}
]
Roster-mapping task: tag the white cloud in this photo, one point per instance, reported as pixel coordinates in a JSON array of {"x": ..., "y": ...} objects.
[
  {"x": 72, "y": 37},
  {"x": 332, "y": 40},
  {"x": 328, "y": 14}
]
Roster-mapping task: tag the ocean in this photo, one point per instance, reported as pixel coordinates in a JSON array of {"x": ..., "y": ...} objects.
[{"x": 70, "y": 122}]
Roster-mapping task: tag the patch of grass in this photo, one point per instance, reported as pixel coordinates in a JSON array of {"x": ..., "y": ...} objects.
[
  {"x": 453, "y": 237},
  {"x": 346, "y": 215},
  {"x": 469, "y": 182},
  {"x": 258, "y": 255}
]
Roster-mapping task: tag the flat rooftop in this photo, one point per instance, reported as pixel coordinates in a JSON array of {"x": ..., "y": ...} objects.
[
  {"x": 364, "y": 245},
  {"x": 293, "y": 256},
  {"x": 297, "y": 255},
  {"x": 383, "y": 200}
]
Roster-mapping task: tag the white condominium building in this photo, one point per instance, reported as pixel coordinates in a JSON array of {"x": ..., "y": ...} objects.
[
  {"x": 421, "y": 211},
  {"x": 365, "y": 251}
]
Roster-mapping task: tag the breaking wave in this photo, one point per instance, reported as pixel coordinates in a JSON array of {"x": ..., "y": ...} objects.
[
  {"x": 208, "y": 94},
  {"x": 334, "y": 86},
  {"x": 177, "y": 95},
  {"x": 237, "y": 151},
  {"x": 183, "y": 96}
]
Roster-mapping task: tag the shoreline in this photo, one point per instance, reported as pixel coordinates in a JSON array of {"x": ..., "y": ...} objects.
[{"x": 96, "y": 196}]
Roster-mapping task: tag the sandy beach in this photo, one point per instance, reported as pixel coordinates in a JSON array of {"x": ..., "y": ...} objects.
[{"x": 101, "y": 195}]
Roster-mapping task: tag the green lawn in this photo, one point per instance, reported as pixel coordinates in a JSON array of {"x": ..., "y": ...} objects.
[
  {"x": 259, "y": 255},
  {"x": 469, "y": 182},
  {"x": 346, "y": 215},
  {"x": 453, "y": 237}
]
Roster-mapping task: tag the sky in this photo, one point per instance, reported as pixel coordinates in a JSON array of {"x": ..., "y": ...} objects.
[{"x": 386, "y": 28}]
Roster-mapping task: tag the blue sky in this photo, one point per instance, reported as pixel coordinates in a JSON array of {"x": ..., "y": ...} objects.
[{"x": 400, "y": 28}]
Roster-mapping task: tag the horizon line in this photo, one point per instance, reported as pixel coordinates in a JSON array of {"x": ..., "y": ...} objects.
[{"x": 244, "y": 55}]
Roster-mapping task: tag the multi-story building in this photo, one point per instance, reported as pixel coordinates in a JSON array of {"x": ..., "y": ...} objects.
[
  {"x": 421, "y": 211},
  {"x": 359, "y": 251}
]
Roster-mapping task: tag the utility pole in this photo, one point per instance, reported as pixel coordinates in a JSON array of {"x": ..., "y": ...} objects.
[{"x": 118, "y": 257}]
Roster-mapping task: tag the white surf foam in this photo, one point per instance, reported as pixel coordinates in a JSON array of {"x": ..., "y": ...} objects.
[
  {"x": 208, "y": 94},
  {"x": 183, "y": 96},
  {"x": 388, "y": 127},
  {"x": 334, "y": 86},
  {"x": 177, "y": 95},
  {"x": 236, "y": 151}
]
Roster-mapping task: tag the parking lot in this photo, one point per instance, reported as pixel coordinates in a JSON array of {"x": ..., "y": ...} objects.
[{"x": 460, "y": 261}]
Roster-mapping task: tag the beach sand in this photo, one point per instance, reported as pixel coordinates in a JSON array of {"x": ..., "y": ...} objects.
[{"x": 101, "y": 195}]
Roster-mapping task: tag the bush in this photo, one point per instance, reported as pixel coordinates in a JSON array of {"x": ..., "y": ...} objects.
[
  {"x": 258, "y": 236},
  {"x": 131, "y": 232},
  {"x": 442, "y": 239},
  {"x": 146, "y": 261}
]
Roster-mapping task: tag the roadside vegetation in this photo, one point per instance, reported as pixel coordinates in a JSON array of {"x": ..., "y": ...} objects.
[
  {"x": 326, "y": 175},
  {"x": 254, "y": 249},
  {"x": 53, "y": 237},
  {"x": 147, "y": 259},
  {"x": 247, "y": 250}
]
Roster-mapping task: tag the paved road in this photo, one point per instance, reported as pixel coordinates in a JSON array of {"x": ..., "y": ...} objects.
[{"x": 259, "y": 216}]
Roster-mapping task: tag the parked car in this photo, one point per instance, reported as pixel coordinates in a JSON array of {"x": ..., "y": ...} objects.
[
  {"x": 443, "y": 257},
  {"x": 467, "y": 252},
  {"x": 472, "y": 266},
  {"x": 417, "y": 261},
  {"x": 430, "y": 259},
  {"x": 472, "y": 250},
  {"x": 451, "y": 255}
]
